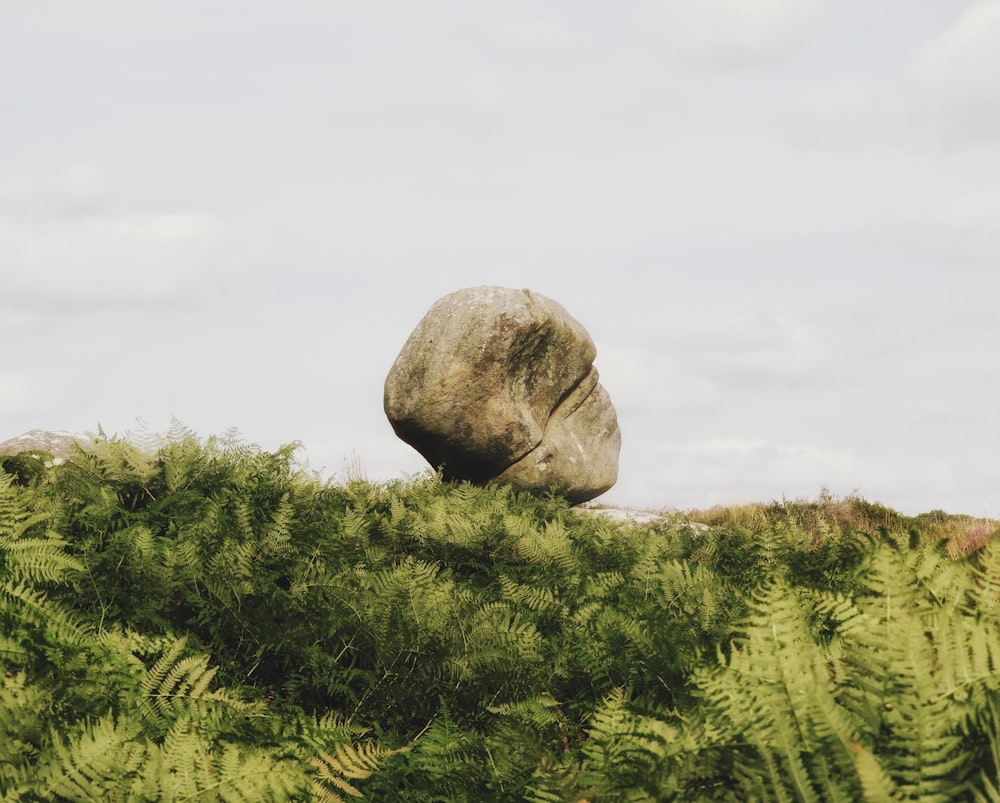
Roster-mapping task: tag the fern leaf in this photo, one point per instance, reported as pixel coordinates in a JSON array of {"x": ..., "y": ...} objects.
[
  {"x": 990, "y": 792},
  {"x": 176, "y": 687},
  {"x": 189, "y": 765},
  {"x": 550, "y": 547},
  {"x": 33, "y": 607},
  {"x": 876, "y": 785},
  {"x": 23, "y": 723},
  {"x": 99, "y": 762},
  {"x": 983, "y": 728},
  {"x": 905, "y": 664},
  {"x": 628, "y": 756},
  {"x": 776, "y": 690},
  {"x": 984, "y": 592},
  {"x": 540, "y": 598},
  {"x": 346, "y": 762}
]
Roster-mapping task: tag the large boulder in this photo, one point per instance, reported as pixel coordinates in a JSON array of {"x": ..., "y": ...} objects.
[{"x": 497, "y": 383}]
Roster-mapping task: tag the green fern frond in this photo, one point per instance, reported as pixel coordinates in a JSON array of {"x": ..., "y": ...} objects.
[
  {"x": 40, "y": 559},
  {"x": 984, "y": 592},
  {"x": 983, "y": 728},
  {"x": 449, "y": 759},
  {"x": 175, "y": 688},
  {"x": 100, "y": 762},
  {"x": 24, "y": 556},
  {"x": 777, "y": 694},
  {"x": 990, "y": 793},
  {"x": 498, "y": 644},
  {"x": 876, "y": 785},
  {"x": 908, "y": 666},
  {"x": 966, "y": 653},
  {"x": 23, "y": 717},
  {"x": 631, "y": 756},
  {"x": 126, "y": 457},
  {"x": 12, "y": 651},
  {"x": 30, "y": 606},
  {"x": 185, "y": 461},
  {"x": 335, "y": 771},
  {"x": 15, "y": 516},
  {"x": 548, "y": 547},
  {"x": 188, "y": 765},
  {"x": 356, "y": 524},
  {"x": 540, "y": 712},
  {"x": 540, "y": 598}
]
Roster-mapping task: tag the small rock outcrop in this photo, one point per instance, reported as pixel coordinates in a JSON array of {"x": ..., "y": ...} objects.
[
  {"x": 40, "y": 441},
  {"x": 496, "y": 383}
]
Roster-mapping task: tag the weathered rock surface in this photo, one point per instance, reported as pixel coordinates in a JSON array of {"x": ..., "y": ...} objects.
[
  {"x": 496, "y": 383},
  {"x": 56, "y": 443}
]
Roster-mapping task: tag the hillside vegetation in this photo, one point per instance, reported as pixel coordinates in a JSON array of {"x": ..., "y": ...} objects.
[{"x": 203, "y": 620}]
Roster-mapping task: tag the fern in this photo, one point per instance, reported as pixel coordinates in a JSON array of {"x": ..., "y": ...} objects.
[
  {"x": 100, "y": 761},
  {"x": 634, "y": 756},
  {"x": 906, "y": 663},
  {"x": 983, "y": 593},
  {"x": 449, "y": 760},
  {"x": 23, "y": 723},
  {"x": 500, "y": 651},
  {"x": 178, "y": 688},
  {"x": 337, "y": 770},
  {"x": 246, "y": 631},
  {"x": 876, "y": 785},
  {"x": 539, "y": 598},
  {"x": 37, "y": 560},
  {"x": 549, "y": 548},
  {"x": 30, "y": 613},
  {"x": 984, "y": 728},
  {"x": 776, "y": 692},
  {"x": 27, "y": 563},
  {"x": 187, "y": 766}
]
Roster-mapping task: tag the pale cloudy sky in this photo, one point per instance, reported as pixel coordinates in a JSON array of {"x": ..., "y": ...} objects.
[{"x": 779, "y": 220}]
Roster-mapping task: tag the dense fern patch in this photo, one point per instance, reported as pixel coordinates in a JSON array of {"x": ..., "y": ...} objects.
[{"x": 204, "y": 620}]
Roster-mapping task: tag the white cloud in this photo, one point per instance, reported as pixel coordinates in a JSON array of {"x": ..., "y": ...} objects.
[
  {"x": 783, "y": 460},
  {"x": 696, "y": 364},
  {"x": 19, "y": 321},
  {"x": 545, "y": 35},
  {"x": 967, "y": 55},
  {"x": 962, "y": 229},
  {"x": 18, "y": 394},
  {"x": 483, "y": 103},
  {"x": 842, "y": 463},
  {"x": 838, "y": 102},
  {"x": 734, "y": 469},
  {"x": 725, "y": 445},
  {"x": 61, "y": 239},
  {"x": 759, "y": 347},
  {"x": 644, "y": 381},
  {"x": 124, "y": 258},
  {"x": 971, "y": 424},
  {"x": 958, "y": 74},
  {"x": 846, "y": 109},
  {"x": 73, "y": 192},
  {"x": 949, "y": 88},
  {"x": 730, "y": 32}
]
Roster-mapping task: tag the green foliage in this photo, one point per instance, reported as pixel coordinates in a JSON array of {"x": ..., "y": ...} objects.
[{"x": 204, "y": 620}]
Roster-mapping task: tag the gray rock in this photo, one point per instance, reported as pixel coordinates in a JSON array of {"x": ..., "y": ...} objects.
[
  {"x": 619, "y": 514},
  {"x": 56, "y": 443},
  {"x": 497, "y": 383}
]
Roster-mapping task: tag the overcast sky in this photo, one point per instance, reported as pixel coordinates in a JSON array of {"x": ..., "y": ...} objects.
[{"x": 778, "y": 219}]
